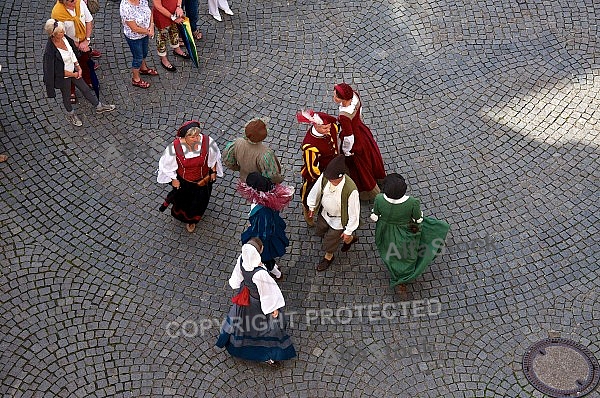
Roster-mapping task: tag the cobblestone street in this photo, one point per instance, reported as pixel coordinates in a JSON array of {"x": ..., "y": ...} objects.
[{"x": 490, "y": 109}]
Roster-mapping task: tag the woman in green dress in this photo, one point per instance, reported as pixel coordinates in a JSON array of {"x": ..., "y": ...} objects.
[{"x": 407, "y": 242}]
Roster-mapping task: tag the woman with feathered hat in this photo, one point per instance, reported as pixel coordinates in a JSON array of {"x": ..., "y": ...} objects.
[
  {"x": 267, "y": 200},
  {"x": 319, "y": 147}
]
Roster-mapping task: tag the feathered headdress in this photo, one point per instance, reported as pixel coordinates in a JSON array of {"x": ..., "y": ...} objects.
[
  {"x": 276, "y": 199},
  {"x": 312, "y": 117},
  {"x": 308, "y": 116}
]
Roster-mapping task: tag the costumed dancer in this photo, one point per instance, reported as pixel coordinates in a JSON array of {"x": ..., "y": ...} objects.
[
  {"x": 191, "y": 164},
  {"x": 365, "y": 164},
  {"x": 318, "y": 148},
  {"x": 247, "y": 154},
  {"x": 267, "y": 201},
  {"x": 254, "y": 328},
  {"x": 406, "y": 241},
  {"x": 334, "y": 198}
]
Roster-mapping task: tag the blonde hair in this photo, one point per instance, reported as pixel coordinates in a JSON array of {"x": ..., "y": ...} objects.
[
  {"x": 53, "y": 26},
  {"x": 193, "y": 131}
]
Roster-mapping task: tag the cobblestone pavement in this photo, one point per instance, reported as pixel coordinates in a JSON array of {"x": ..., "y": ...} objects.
[{"x": 489, "y": 108}]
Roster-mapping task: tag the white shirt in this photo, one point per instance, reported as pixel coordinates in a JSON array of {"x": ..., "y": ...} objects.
[
  {"x": 403, "y": 199},
  {"x": 85, "y": 16},
  {"x": 271, "y": 298},
  {"x": 331, "y": 202},
  {"x": 348, "y": 141},
  {"x": 167, "y": 165},
  {"x": 68, "y": 57}
]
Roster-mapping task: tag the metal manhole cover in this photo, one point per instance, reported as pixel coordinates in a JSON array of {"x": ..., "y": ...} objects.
[{"x": 561, "y": 368}]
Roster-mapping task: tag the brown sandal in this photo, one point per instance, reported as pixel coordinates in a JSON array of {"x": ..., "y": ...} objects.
[
  {"x": 197, "y": 34},
  {"x": 149, "y": 72},
  {"x": 140, "y": 83}
]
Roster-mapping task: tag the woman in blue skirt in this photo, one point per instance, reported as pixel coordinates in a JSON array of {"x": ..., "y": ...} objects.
[
  {"x": 254, "y": 328},
  {"x": 266, "y": 199}
]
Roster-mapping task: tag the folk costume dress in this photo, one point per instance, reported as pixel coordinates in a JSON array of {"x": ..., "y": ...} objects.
[
  {"x": 250, "y": 332},
  {"x": 363, "y": 158},
  {"x": 189, "y": 167},
  {"x": 405, "y": 253},
  {"x": 267, "y": 200}
]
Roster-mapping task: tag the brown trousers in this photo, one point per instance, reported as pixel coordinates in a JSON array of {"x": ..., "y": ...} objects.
[{"x": 331, "y": 237}]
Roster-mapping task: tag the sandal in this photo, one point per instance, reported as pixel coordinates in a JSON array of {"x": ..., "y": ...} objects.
[
  {"x": 3, "y": 158},
  {"x": 149, "y": 71},
  {"x": 73, "y": 99},
  {"x": 197, "y": 34},
  {"x": 140, "y": 83},
  {"x": 184, "y": 55}
]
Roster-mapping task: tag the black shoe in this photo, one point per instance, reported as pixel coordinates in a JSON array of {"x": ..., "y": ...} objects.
[
  {"x": 170, "y": 68},
  {"x": 163, "y": 207},
  {"x": 324, "y": 264},
  {"x": 346, "y": 246}
]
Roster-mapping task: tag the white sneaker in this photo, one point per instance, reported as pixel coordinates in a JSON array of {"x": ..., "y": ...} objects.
[
  {"x": 217, "y": 17},
  {"x": 73, "y": 119},
  {"x": 228, "y": 11},
  {"x": 104, "y": 108},
  {"x": 275, "y": 271}
]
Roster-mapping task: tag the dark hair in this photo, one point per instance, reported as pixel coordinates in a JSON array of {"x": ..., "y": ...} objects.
[
  {"x": 257, "y": 243},
  {"x": 258, "y": 182}
]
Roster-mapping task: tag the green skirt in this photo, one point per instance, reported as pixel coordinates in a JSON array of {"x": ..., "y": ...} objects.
[{"x": 408, "y": 254}]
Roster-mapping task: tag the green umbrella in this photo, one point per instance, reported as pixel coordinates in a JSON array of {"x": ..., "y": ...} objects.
[{"x": 185, "y": 31}]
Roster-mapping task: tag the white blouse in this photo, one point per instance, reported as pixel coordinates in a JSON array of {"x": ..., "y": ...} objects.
[
  {"x": 167, "y": 165},
  {"x": 271, "y": 298},
  {"x": 68, "y": 57},
  {"x": 348, "y": 142}
]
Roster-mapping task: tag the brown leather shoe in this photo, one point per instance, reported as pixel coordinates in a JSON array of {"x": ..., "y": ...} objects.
[
  {"x": 346, "y": 246},
  {"x": 400, "y": 289},
  {"x": 324, "y": 264},
  {"x": 190, "y": 227}
]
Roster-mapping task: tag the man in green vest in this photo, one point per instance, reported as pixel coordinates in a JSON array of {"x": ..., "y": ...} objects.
[{"x": 334, "y": 198}]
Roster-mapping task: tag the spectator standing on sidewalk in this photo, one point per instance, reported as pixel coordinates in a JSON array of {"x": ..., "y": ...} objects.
[
  {"x": 79, "y": 26},
  {"x": 138, "y": 28},
  {"x": 61, "y": 69},
  {"x": 167, "y": 14},
  {"x": 191, "y": 11},
  {"x": 215, "y": 5}
]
